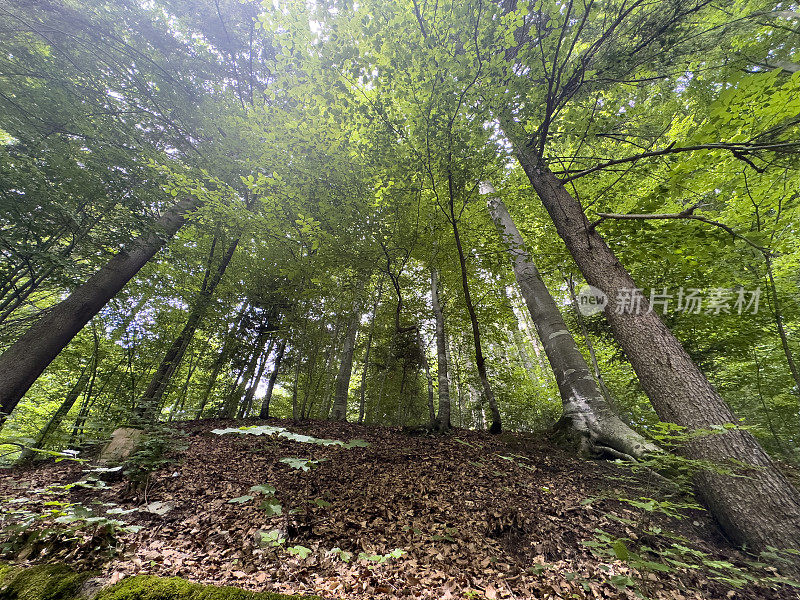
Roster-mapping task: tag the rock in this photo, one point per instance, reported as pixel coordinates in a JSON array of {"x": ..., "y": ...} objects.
[
  {"x": 122, "y": 444},
  {"x": 159, "y": 508}
]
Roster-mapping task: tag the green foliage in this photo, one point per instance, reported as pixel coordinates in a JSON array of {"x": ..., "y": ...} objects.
[
  {"x": 381, "y": 558},
  {"x": 154, "y": 451}
]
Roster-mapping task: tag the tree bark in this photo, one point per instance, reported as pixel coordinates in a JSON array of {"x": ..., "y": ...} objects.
[
  {"x": 273, "y": 377},
  {"x": 367, "y": 352},
  {"x": 480, "y": 361},
  {"x": 598, "y": 375},
  {"x": 23, "y": 362},
  {"x": 251, "y": 391},
  {"x": 149, "y": 404},
  {"x": 759, "y": 510},
  {"x": 443, "y": 419},
  {"x": 339, "y": 410},
  {"x": 519, "y": 340},
  {"x": 586, "y": 412}
]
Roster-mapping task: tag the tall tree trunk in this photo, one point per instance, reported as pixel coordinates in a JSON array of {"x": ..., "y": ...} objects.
[
  {"x": 598, "y": 375},
  {"x": 443, "y": 417},
  {"x": 428, "y": 378},
  {"x": 273, "y": 377},
  {"x": 339, "y": 410},
  {"x": 240, "y": 393},
  {"x": 759, "y": 510},
  {"x": 150, "y": 403},
  {"x": 480, "y": 361},
  {"x": 295, "y": 411},
  {"x": 222, "y": 357},
  {"x": 586, "y": 412},
  {"x": 365, "y": 369},
  {"x": 57, "y": 418},
  {"x": 23, "y": 362},
  {"x": 251, "y": 390},
  {"x": 519, "y": 340}
]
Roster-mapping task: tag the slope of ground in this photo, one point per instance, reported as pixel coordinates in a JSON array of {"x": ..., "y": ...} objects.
[{"x": 408, "y": 516}]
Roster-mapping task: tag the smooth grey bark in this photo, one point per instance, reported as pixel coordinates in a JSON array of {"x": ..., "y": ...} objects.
[
  {"x": 598, "y": 375},
  {"x": 586, "y": 411},
  {"x": 428, "y": 378},
  {"x": 443, "y": 418},
  {"x": 759, "y": 510},
  {"x": 273, "y": 377},
  {"x": 339, "y": 410},
  {"x": 23, "y": 362}
]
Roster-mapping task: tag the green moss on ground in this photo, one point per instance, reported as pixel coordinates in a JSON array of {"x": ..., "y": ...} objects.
[
  {"x": 59, "y": 582},
  {"x": 146, "y": 587},
  {"x": 42, "y": 582}
]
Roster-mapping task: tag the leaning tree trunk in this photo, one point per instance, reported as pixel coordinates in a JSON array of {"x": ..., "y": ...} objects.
[
  {"x": 339, "y": 410},
  {"x": 759, "y": 509},
  {"x": 24, "y": 361},
  {"x": 149, "y": 404},
  {"x": 273, "y": 377},
  {"x": 443, "y": 417},
  {"x": 586, "y": 412}
]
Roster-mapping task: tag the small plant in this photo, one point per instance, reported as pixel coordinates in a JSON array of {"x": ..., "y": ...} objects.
[
  {"x": 46, "y": 524},
  {"x": 152, "y": 454},
  {"x": 381, "y": 558}
]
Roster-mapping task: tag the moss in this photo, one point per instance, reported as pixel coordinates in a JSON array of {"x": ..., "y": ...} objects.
[
  {"x": 147, "y": 587},
  {"x": 59, "y": 582},
  {"x": 42, "y": 582}
]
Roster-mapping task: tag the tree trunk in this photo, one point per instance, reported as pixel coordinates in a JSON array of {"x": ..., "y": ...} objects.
[
  {"x": 586, "y": 412},
  {"x": 365, "y": 369},
  {"x": 443, "y": 418},
  {"x": 759, "y": 510},
  {"x": 598, "y": 375},
  {"x": 54, "y": 422},
  {"x": 339, "y": 410},
  {"x": 251, "y": 391},
  {"x": 149, "y": 404},
  {"x": 240, "y": 394},
  {"x": 428, "y": 378},
  {"x": 273, "y": 377},
  {"x": 480, "y": 361},
  {"x": 222, "y": 357},
  {"x": 23, "y": 362},
  {"x": 519, "y": 340}
]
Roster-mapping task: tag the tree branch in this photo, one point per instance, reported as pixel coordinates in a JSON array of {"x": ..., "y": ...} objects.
[
  {"x": 738, "y": 150},
  {"x": 687, "y": 214}
]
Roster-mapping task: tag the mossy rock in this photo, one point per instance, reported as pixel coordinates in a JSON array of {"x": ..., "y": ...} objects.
[
  {"x": 42, "y": 582},
  {"x": 59, "y": 582}
]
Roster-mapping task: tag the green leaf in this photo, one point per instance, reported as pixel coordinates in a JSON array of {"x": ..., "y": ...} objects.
[
  {"x": 300, "y": 551},
  {"x": 240, "y": 500},
  {"x": 621, "y": 550},
  {"x": 265, "y": 489}
]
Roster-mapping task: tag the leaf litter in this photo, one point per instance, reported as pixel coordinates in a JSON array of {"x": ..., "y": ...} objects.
[{"x": 466, "y": 515}]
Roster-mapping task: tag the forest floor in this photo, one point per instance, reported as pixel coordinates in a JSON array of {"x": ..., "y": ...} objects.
[{"x": 476, "y": 516}]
